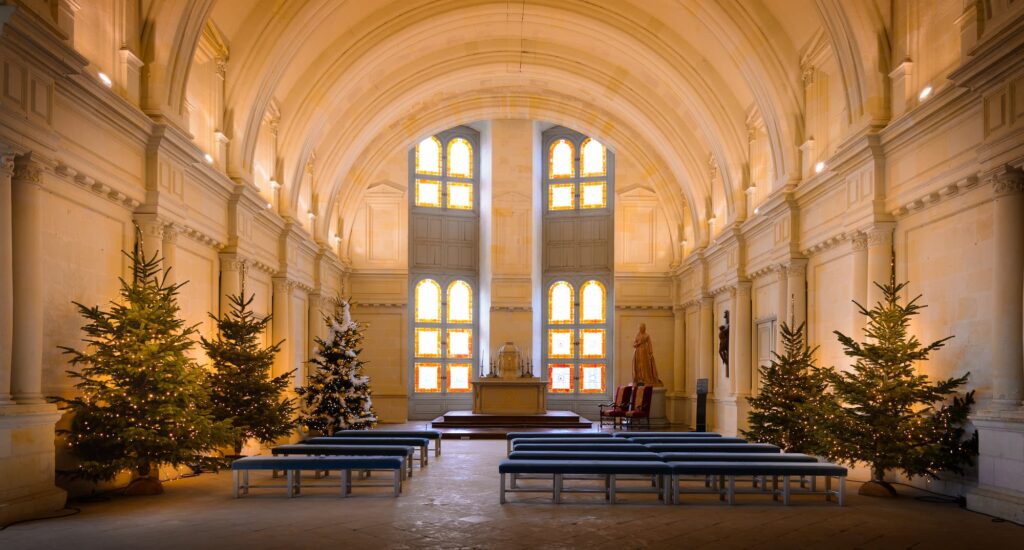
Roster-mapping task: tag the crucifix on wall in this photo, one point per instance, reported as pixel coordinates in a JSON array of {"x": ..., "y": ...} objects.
[{"x": 723, "y": 342}]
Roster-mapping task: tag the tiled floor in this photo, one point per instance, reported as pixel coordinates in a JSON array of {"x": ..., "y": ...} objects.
[{"x": 453, "y": 503}]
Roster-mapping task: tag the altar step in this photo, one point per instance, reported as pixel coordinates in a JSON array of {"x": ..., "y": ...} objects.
[{"x": 466, "y": 424}]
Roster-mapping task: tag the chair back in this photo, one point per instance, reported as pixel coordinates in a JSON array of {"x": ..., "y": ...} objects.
[
  {"x": 642, "y": 400},
  {"x": 622, "y": 395}
]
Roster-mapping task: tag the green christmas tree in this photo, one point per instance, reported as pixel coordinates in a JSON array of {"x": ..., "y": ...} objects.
[
  {"x": 142, "y": 400},
  {"x": 337, "y": 396},
  {"x": 790, "y": 409},
  {"x": 242, "y": 391},
  {"x": 893, "y": 418}
]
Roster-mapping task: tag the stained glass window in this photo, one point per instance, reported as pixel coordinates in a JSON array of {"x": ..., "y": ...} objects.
[
  {"x": 560, "y": 343},
  {"x": 428, "y": 193},
  {"x": 592, "y": 343},
  {"x": 561, "y": 196},
  {"x": 560, "y": 378},
  {"x": 460, "y": 196},
  {"x": 561, "y": 160},
  {"x": 460, "y": 302},
  {"x": 459, "y": 376},
  {"x": 428, "y": 342},
  {"x": 460, "y": 343},
  {"x": 592, "y": 306},
  {"x": 593, "y": 194},
  {"x": 428, "y": 156},
  {"x": 460, "y": 158},
  {"x": 428, "y": 377},
  {"x": 560, "y": 303},
  {"x": 428, "y": 301},
  {"x": 592, "y": 158},
  {"x": 591, "y": 378}
]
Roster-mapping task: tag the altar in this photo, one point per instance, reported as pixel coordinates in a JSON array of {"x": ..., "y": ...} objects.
[{"x": 514, "y": 396}]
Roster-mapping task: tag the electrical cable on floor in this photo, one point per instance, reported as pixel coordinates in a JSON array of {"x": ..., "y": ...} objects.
[{"x": 72, "y": 511}]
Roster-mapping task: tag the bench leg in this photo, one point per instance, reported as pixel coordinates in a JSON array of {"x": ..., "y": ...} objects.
[
  {"x": 398, "y": 483},
  {"x": 556, "y": 488},
  {"x": 842, "y": 489},
  {"x": 234, "y": 479},
  {"x": 290, "y": 481},
  {"x": 675, "y": 489},
  {"x": 731, "y": 494},
  {"x": 785, "y": 490},
  {"x": 425, "y": 455},
  {"x": 423, "y": 459},
  {"x": 513, "y": 481},
  {"x": 775, "y": 487},
  {"x": 245, "y": 482},
  {"x": 437, "y": 447},
  {"x": 814, "y": 484},
  {"x": 828, "y": 488},
  {"x": 720, "y": 483},
  {"x": 501, "y": 492},
  {"x": 611, "y": 488},
  {"x": 666, "y": 496}
]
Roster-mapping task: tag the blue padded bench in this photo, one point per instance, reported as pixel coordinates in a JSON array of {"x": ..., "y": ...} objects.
[
  {"x": 583, "y": 455},
  {"x": 729, "y": 471},
  {"x": 608, "y": 468},
  {"x": 405, "y": 453},
  {"x": 631, "y": 435},
  {"x": 712, "y": 448},
  {"x": 418, "y": 442},
  {"x": 294, "y": 465},
  {"x": 736, "y": 457},
  {"x": 432, "y": 435},
  {"x": 609, "y": 447},
  {"x": 596, "y": 441},
  {"x": 712, "y": 440},
  {"x": 510, "y": 436}
]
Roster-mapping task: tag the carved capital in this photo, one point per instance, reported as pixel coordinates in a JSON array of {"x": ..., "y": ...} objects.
[
  {"x": 859, "y": 242},
  {"x": 222, "y": 65},
  {"x": 743, "y": 289},
  {"x": 1007, "y": 180},
  {"x": 796, "y": 268},
  {"x": 7, "y": 166},
  {"x": 27, "y": 170},
  {"x": 151, "y": 227},
  {"x": 283, "y": 285},
  {"x": 807, "y": 75},
  {"x": 233, "y": 264},
  {"x": 880, "y": 235},
  {"x": 170, "y": 234}
]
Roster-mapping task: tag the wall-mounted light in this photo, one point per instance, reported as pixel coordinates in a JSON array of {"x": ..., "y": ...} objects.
[
  {"x": 274, "y": 184},
  {"x": 312, "y": 215},
  {"x": 335, "y": 239},
  {"x": 820, "y": 167},
  {"x": 209, "y": 158},
  {"x": 757, "y": 211},
  {"x": 925, "y": 93},
  {"x": 105, "y": 79},
  {"x": 269, "y": 206}
]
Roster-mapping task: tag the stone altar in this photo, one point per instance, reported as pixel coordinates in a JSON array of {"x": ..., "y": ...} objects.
[{"x": 517, "y": 396}]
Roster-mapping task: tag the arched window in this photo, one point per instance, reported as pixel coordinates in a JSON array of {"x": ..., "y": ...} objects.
[
  {"x": 428, "y": 301},
  {"x": 428, "y": 157},
  {"x": 443, "y": 172},
  {"x": 460, "y": 158},
  {"x": 460, "y": 302},
  {"x": 592, "y": 302},
  {"x": 560, "y": 303},
  {"x": 592, "y": 158}
]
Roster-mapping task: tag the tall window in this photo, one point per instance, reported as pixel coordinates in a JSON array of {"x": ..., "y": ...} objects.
[
  {"x": 577, "y": 265},
  {"x": 443, "y": 265}
]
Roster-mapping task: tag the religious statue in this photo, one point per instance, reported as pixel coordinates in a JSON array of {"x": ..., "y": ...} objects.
[
  {"x": 723, "y": 342},
  {"x": 644, "y": 370}
]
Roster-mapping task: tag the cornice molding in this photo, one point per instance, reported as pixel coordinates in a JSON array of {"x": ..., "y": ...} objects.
[{"x": 114, "y": 195}]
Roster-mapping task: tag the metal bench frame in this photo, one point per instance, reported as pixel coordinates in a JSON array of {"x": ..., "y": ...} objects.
[
  {"x": 293, "y": 480},
  {"x": 725, "y": 487},
  {"x": 610, "y": 490}
]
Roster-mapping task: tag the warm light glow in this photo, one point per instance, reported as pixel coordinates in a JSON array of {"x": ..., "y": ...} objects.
[
  {"x": 592, "y": 344},
  {"x": 593, "y": 195},
  {"x": 460, "y": 343},
  {"x": 428, "y": 301},
  {"x": 820, "y": 167},
  {"x": 428, "y": 193},
  {"x": 757, "y": 211},
  {"x": 105, "y": 79},
  {"x": 593, "y": 158},
  {"x": 460, "y": 302},
  {"x": 428, "y": 156},
  {"x": 460, "y": 196},
  {"x": 428, "y": 342},
  {"x": 428, "y": 377},
  {"x": 560, "y": 344},
  {"x": 591, "y": 378},
  {"x": 209, "y": 158},
  {"x": 459, "y": 376},
  {"x": 460, "y": 158},
  {"x": 269, "y": 206},
  {"x": 560, "y": 378},
  {"x": 560, "y": 303},
  {"x": 560, "y": 161},
  {"x": 925, "y": 93},
  {"x": 592, "y": 297}
]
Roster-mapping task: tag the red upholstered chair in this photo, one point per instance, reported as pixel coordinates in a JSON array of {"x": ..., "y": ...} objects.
[
  {"x": 641, "y": 406},
  {"x": 617, "y": 409}
]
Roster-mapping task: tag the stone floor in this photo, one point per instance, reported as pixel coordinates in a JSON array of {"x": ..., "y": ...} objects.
[{"x": 453, "y": 503}]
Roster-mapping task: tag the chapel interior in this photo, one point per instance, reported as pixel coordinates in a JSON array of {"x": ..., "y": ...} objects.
[{"x": 505, "y": 191}]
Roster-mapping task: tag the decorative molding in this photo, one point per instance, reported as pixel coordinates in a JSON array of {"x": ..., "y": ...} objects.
[
  {"x": 380, "y": 304},
  {"x": 7, "y": 166},
  {"x": 826, "y": 244},
  {"x": 634, "y": 307},
  {"x": 934, "y": 197},
  {"x": 102, "y": 189},
  {"x": 27, "y": 170},
  {"x": 797, "y": 267},
  {"x": 1006, "y": 180},
  {"x": 511, "y": 308}
]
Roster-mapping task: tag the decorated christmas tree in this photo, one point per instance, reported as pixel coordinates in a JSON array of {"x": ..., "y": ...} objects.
[
  {"x": 893, "y": 418},
  {"x": 142, "y": 401},
  {"x": 337, "y": 396},
  {"x": 242, "y": 391},
  {"x": 792, "y": 408}
]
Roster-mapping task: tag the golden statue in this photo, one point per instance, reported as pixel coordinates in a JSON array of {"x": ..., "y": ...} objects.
[{"x": 644, "y": 370}]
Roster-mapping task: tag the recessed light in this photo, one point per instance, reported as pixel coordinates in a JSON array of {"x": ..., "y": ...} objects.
[
  {"x": 105, "y": 79},
  {"x": 925, "y": 93},
  {"x": 209, "y": 158},
  {"x": 820, "y": 167}
]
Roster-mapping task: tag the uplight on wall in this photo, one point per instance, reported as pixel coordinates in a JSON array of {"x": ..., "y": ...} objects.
[
  {"x": 335, "y": 239},
  {"x": 269, "y": 206},
  {"x": 820, "y": 167},
  {"x": 312, "y": 215},
  {"x": 209, "y": 158},
  {"x": 105, "y": 79},
  {"x": 757, "y": 211},
  {"x": 925, "y": 93},
  {"x": 274, "y": 185}
]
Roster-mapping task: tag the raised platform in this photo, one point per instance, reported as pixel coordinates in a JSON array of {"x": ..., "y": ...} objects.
[{"x": 467, "y": 424}]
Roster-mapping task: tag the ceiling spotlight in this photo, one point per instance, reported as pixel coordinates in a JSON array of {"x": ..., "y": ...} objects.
[
  {"x": 274, "y": 184},
  {"x": 105, "y": 79},
  {"x": 209, "y": 158},
  {"x": 925, "y": 93},
  {"x": 269, "y": 206},
  {"x": 820, "y": 167}
]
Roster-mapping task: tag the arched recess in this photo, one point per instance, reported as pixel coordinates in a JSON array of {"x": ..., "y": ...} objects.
[{"x": 170, "y": 34}]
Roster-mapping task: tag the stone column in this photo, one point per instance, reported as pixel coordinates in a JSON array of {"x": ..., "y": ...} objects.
[
  {"x": 170, "y": 252},
  {"x": 314, "y": 321},
  {"x": 6, "y": 280},
  {"x": 151, "y": 231},
  {"x": 706, "y": 365},
  {"x": 678, "y": 350},
  {"x": 741, "y": 341},
  {"x": 27, "y": 345},
  {"x": 232, "y": 271},
  {"x": 1008, "y": 290},
  {"x": 859, "y": 292},
  {"x": 879, "y": 260},
  {"x": 282, "y": 324},
  {"x": 796, "y": 288},
  {"x": 783, "y": 306}
]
